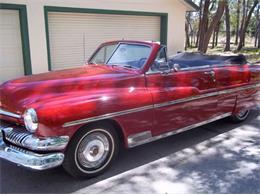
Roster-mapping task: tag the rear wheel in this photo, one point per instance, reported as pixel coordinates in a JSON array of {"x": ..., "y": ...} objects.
[
  {"x": 91, "y": 151},
  {"x": 240, "y": 116}
]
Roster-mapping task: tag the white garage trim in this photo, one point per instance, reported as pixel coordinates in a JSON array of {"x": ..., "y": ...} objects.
[
  {"x": 59, "y": 11},
  {"x": 24, "y": 34}
]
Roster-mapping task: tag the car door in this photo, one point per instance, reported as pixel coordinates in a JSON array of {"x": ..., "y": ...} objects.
[
  {"x": 228, "y": 77},
  {"x": 180, "y": 98}
]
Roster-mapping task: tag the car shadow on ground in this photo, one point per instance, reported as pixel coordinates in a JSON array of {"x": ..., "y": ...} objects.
[{"x": 19, "y": 180}]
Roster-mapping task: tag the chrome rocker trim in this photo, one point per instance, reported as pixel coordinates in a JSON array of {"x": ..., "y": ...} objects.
[
  {"x": 6, "y": 113},
  {"x": 178, "y": 101},
  {"x": 146, "y": 137},
  {"x": 29, "y": 159}
]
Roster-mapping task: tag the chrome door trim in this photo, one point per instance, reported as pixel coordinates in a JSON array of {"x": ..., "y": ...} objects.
[
  {"x": 185, "y": 100},
  {"x": 136, "y": 139},
  {"x": 107, "y": 116},
  {"x": 149, "y": 107}
]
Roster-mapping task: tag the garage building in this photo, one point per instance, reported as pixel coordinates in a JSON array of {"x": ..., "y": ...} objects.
[{"x": 44, "y": 35}]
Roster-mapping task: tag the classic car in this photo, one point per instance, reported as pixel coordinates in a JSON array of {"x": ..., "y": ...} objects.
[{"x": 129, "y": 93}]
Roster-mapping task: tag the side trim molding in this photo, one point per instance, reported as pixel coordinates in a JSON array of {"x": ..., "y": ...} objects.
[
  {"x": 120, "y": 113},
  {"x": 107, "y": 116},
  {"x": 146, "y": 137}
]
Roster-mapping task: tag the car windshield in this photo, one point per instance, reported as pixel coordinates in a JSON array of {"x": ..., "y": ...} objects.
[{"x": 124, "y": 55}]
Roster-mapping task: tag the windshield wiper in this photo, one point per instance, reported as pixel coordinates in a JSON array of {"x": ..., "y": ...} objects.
[
  {"x": 125, "y": 66},
  {"x": 129, "y": 66}
]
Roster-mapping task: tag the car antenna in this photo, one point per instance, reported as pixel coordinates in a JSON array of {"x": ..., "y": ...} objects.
[{"x": 84, "y": 49}]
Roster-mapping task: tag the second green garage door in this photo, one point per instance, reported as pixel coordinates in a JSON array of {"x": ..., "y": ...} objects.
[
  {"x": 11, "y": 55},
  {"x": 74, "y": 36}
]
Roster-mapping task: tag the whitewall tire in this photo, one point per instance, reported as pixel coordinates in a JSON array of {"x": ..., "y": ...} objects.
[
  {"x": 241, "y": 116},
  {"x": 91, "y": 151}
]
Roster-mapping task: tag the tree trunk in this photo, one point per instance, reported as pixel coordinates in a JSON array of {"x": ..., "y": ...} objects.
[
  {"x": 258, "y": 36},
  {"x": 258, "y": 46},
  {"x": 190, "y": 28},
  {"x": 257, "y": 30},
  {"x": 217, "y": 17},
  {"x": 217, "y": 32},
  {"x": 213, "y": 40},
  {"x": 199, "y": 27},
  {"x": 227, "y": 48},
  {"x": 245, "y": 25},
  {"x": 242, "y": 22},
  {"x": 237, "y": 21},
  {"x": 187, "y": 45},
  {"x": 204, "y": 24}
]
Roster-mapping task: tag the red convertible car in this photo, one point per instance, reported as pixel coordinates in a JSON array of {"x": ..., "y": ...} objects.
[{"x": 130, "y": 93}]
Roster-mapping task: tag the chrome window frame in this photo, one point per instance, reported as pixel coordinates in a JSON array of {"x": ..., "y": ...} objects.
[
  {"x": 150, "y": 72},
  {"x": 118, "y": 45}
]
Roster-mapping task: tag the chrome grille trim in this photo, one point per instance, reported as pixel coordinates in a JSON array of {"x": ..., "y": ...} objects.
[
  {"x": 16, "y": 137},
  {"x": 10, "y": 114}
]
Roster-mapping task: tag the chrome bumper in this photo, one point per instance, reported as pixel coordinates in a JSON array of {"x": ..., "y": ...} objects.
[
  {"x": 13, "y": 153},
  {"x": 29, "y": 159}
]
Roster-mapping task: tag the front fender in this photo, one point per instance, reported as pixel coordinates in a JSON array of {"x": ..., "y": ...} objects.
[{"x": 69, "y": 107}]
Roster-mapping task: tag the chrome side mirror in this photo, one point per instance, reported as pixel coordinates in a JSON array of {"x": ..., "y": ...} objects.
[{"x": 176, "y": 67}]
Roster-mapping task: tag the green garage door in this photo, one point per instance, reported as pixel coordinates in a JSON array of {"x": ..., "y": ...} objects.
[
  {"x": 11, "y": 55},
  {"x": 74, "y": 36}
]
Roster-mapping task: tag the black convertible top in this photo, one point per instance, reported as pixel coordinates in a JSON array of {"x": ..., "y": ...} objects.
[{"x": 186, "y": 60}]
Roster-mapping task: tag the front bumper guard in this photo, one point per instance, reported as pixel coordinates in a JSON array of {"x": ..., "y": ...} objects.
[{"x": 30, "y": 159}]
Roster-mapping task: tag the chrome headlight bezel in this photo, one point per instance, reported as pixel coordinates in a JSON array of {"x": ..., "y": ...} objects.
[{"x": 30, "y": 120}]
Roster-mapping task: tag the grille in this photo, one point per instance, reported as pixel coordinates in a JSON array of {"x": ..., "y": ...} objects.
[{"x": 16, "y": 135}]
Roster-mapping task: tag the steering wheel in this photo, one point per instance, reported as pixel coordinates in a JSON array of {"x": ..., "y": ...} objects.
[{"x": 141, "y": 62}]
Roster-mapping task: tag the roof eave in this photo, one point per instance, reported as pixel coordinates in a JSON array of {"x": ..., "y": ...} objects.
[{"x": 191, "y": 5}]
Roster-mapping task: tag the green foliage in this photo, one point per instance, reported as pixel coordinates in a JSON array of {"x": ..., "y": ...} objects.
[{"x": 233, "y": 6}]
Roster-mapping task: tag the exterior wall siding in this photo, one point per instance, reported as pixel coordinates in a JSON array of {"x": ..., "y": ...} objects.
[{"x": 37, "y": 32}]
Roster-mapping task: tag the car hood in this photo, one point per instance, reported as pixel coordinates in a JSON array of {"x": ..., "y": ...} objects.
[{"x": 20, "y": 94}]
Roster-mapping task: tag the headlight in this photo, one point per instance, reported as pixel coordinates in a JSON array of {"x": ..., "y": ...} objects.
[{"x": 30, "y": 120}]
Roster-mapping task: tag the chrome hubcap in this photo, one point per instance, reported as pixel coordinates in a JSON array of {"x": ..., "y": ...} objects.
[
  {"x": 242, "y": 114},
  {"x": 93, "y": 150}
]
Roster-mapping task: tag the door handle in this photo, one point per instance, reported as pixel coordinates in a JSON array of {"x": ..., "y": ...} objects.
[
  {"x": 211, "y": 73},
  {"x": 165, "y": 72}
]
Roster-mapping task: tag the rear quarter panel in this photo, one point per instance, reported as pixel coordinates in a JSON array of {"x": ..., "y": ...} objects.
[{"x": 249, "y": 98}]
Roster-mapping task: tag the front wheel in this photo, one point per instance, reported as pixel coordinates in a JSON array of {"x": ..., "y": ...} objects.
[
  {"x": 240, "y": 116},
  {"x": 91, "y": 151}
]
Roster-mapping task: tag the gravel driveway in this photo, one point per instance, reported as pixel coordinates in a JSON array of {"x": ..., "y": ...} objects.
[{"x": 217, "y": 158}]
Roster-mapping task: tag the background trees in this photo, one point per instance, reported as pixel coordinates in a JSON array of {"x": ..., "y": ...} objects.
[{"x": 233, "y": 23}]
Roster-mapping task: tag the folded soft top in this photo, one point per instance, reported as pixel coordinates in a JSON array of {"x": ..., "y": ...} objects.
[{"x": 196, "y": 59}]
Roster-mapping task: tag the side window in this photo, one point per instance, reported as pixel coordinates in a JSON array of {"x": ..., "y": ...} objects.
[
  {"x": 161, "y": 56},
  {"x": 161, "y": 59}
]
